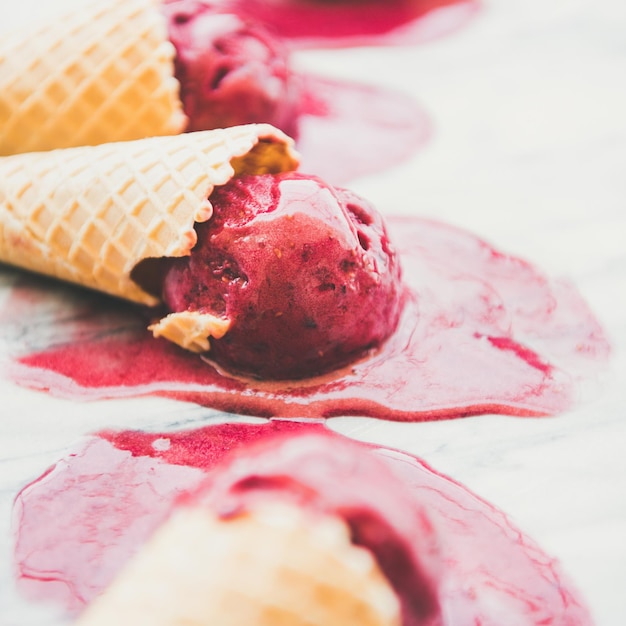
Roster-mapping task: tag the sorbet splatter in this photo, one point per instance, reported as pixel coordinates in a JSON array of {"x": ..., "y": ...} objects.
[
  {"x": 482, "y": 333},
  {"x": 85, "y": 517},
  {"x": 342, "y": 23}
]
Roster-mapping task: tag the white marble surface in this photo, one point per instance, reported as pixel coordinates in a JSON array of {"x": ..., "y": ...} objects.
[{"x": 529, "y": 107}]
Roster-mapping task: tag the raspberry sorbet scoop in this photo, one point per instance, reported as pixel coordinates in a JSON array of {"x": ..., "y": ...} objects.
[
  {"x": 231, "y": 71},
  {"x": 304, "y": 274}
]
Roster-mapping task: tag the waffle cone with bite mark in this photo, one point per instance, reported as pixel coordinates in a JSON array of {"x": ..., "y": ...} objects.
[
  {"x": 89, "y": 215},
  {"x": 102, "y": 73},
  {"x": 276, "y": 566}
]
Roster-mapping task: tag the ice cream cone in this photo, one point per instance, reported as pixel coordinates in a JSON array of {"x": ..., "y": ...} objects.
[
  {"x": 89, "y": 215},
  {"x": 276, "y": 566},
  {"x": 100, "y": 74}
]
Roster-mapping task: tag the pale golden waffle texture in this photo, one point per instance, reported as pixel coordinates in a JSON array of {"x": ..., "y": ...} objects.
[
  {"x": 102, "y": 73},
  {"x": 89, "y": 215},
  {"x": 276, "y": 566}
]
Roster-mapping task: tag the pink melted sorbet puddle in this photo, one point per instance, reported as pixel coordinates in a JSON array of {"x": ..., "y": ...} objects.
[
  {"x": 343, "y": 23},
  {"x": 347, "y": 130},
  {"x": 482, "y": 332},
  {"x": 78, "y": 523}
]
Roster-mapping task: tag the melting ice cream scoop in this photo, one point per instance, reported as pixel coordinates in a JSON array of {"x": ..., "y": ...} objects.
[
  {"x": 304, "y": 274},
  {"x": 231, "y": 70}
]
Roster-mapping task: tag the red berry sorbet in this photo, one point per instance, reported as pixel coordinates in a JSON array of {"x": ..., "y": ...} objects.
[
  {"x": 231, "y": 70},
  {"x": 304, "y": 272}
]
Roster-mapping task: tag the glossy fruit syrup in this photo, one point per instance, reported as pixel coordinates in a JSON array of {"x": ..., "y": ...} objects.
[
  {"x": 481, "y": 332},
  {"x": 81, "y": 521}
]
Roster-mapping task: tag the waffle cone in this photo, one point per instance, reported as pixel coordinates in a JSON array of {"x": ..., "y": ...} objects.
[
  {"x": 100, "y": 74},
  {"x": 274, "y": 567},
  {"x": 89, "y": 215}
]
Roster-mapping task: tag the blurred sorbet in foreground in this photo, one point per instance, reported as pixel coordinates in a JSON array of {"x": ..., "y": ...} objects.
[
  {"x": 273, "y": 514},
  {"x": 307, "y": 530}
]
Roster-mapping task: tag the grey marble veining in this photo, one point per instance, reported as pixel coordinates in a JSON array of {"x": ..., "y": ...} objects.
[{"x": 528, "y": 106}]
